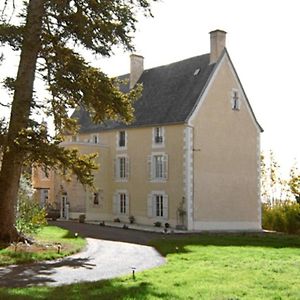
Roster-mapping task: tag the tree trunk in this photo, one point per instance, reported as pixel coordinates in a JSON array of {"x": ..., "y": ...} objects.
[{"x": 13, "y": 155}]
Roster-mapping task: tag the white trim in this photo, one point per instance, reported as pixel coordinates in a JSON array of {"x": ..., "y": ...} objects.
[
  {"x": 226, "y": 226},
  {"x": 158, "y": 145},
  {"x": 117, "y": 168},
  {"x": 188, "y": 187},
  {"x": 164, "y": 170},
  {"x": 259, "y": 203},
  {"x": 165, "y": 198},
  {"x": 202, "y": 97},
  {"x": 116, "y": 201}
]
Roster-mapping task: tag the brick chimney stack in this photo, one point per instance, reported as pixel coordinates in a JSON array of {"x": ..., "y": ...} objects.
[
  {"x": 136, "y": 69},
  {"x": 217, "y": 44}
]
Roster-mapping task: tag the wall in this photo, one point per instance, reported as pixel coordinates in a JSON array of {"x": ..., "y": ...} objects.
[{"x": 226, "y": 158}]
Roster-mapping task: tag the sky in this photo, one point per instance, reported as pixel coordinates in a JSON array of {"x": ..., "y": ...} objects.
[{"x": 263, "y": 42}]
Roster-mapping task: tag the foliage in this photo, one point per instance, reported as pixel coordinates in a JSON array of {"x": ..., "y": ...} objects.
[
  {"x": 282, "y": 216},
  {"x": 50, "y": 235},
  {"x": 294, "y": 183},
  {"x": 205, "y": 267},
  {"x": 30, "y": 216}
]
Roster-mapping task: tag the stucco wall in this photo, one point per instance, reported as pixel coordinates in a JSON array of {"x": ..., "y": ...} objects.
[{"x": 226, "y": 158}]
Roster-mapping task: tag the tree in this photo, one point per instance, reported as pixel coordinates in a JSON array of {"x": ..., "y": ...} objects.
[
  {"x": 294, "y": 183},
  {"x": 48, "y": 37}
]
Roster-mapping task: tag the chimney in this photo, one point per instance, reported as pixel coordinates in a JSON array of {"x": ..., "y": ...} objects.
[
  {"x": 136, "y": 69},
  {"x": 217, "y": 44}
]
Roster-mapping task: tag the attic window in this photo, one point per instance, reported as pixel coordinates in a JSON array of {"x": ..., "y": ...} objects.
[
  {"x": 235, "y": 101},
  {"x": 197, "y": 71}
]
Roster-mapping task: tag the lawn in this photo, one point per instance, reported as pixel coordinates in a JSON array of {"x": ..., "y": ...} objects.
[
  {"x": 215, "y": 267},
  {"x": 48, "y": 240}
]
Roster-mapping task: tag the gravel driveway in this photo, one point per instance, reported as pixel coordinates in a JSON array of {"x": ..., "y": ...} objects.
[{"x": 102, "y": 259}]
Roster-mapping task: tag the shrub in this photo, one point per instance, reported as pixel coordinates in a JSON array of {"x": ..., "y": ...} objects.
[
  {"x": 283, "y": 216},
  {"x": 157, "y": 224}
]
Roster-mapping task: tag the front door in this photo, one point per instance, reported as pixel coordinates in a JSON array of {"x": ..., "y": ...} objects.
[{"x": 64, "y": 207}]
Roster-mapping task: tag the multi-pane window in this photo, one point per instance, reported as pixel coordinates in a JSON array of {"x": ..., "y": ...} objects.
[
  {"x": 158, "y": 137},
  {"x": 158, "y": 166},
  {"x": 121, "y": 168},
  {"x": 158, "y": 161},
  {"x": 122, "y": 139},
  {"x": 122, "y": 203},
  {"x": 159, "y": 206}
]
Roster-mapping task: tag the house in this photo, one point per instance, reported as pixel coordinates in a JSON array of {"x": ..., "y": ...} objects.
[{"x": 191, "y": 158}]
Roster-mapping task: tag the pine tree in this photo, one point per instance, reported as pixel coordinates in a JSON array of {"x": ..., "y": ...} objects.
[{"x": 48, "y": 37}]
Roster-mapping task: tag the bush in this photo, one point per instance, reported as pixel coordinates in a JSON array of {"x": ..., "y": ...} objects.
[
  {"x": 283, "y": 216},
  {"x": 30, "y": 217}
]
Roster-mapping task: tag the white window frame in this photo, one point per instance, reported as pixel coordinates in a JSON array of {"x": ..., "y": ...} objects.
[
  {"x": 152, "y": 167},
  {"x": 121, "y": 172},
  {"x": 118, "y": 140},
  {"x": 235, "y": 100},
  {"x": 158, "y": 213},
  {"x": 161, "y": 135},
  {"x": 95, "y": 139},
  {"x": 119, "y": 207}
]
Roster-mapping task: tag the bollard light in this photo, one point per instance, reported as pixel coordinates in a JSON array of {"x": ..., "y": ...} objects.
[
  {"x": 58, "y": 248},
  {"x": 76, "y": 235},
  {"x": 133, "y": 272}
]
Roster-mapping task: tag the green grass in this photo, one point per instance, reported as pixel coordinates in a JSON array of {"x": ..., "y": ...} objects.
[
  {"x": 48, "y": 237},
  {"x": 215, "y": 267}
]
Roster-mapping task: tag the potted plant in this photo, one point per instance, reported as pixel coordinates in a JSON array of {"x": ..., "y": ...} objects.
[
  {"x": 82, "y": 218},
  {"x": 131, "y": 219}
]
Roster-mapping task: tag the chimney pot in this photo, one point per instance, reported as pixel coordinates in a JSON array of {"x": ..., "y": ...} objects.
[
  {"x": 136, "y": 69},
  {"x": 217, "y": 44}
]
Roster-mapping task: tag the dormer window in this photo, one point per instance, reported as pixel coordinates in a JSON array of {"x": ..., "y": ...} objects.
[
  {"x": 158, "y": 139},
  {"x": 235, "y": 101}
]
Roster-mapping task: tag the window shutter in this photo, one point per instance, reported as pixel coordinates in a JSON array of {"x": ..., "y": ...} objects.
[
  {"x": 127, "y": 167},
  {"x": 115, "y": 169},
  {"x": 165, "y": 166},
  {"x": 149, "y": 165},
  {"x": 150, "y": 206},
  {"x": 165, "y": 207},
  {"x": 115, "y": 204},
  {"x": 127, "y": 204}
]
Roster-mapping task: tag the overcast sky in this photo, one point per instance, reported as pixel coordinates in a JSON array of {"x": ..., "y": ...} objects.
[{"x": 263, "y": 41}]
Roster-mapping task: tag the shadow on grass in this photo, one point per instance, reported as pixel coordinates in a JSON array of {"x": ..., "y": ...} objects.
[
  {"x": 104, "y": 290},
  {"x": 177, "y": 243}
]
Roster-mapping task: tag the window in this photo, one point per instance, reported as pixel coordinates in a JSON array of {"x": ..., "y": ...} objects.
[
  {"x": 122, "y": 199},
  {"x": 159, "y": 211},
  {"x": 158, "y": 205},
  {"x": 74, "y": 138},
  {"x": 158, "y": 167},
  {"x": 235, "y": 101},
  {"x": 122, "y": 139},
  {"x": 95, "y": 139},
  {"x": 45, "y": 172},
  {"x": 121, "y": 203},
  {"x": 96, "y": 199},
  {"x": 158, "y": 138},
  {"x": 122, "y": 168}
]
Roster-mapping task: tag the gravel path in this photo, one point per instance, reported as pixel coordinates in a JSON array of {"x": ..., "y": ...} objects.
[{"x": 102, "y": 259}]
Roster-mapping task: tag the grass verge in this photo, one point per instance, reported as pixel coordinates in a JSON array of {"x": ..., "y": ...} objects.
[
  {"x": 48, "y": 240},
  {"x": 215, "y": 267}
]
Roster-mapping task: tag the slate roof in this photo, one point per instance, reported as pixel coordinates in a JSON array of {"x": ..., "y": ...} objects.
[{"x": 169, "y": 95}]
